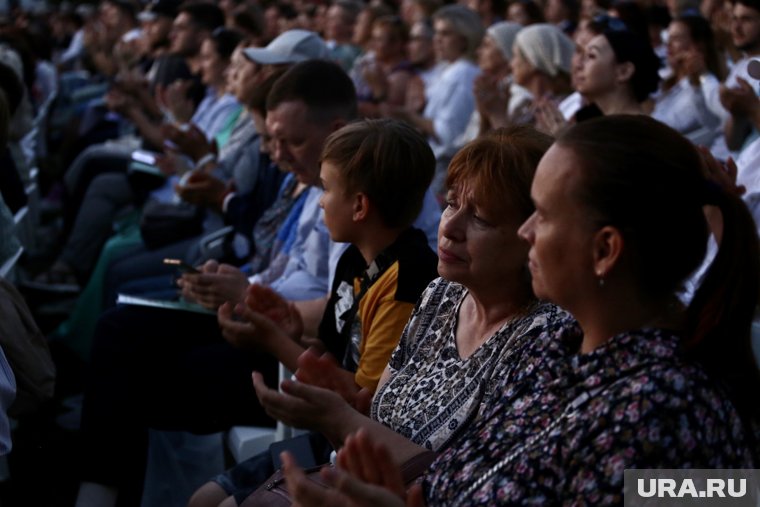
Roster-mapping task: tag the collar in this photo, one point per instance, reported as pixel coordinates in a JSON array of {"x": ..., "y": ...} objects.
[{"x": 619, "y": 356}]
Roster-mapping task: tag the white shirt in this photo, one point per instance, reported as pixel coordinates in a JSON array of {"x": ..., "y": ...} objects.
[
  {"x": 739, "y": 69},
  {"x": 748, "y": 165},
  {"x": 75, "y": 49},
  {"x": 450, "y": 103},
  {"x": 694, "y": 111},
  {"x": 430, "y": 76},
  {"x": 570, "y": 105}
]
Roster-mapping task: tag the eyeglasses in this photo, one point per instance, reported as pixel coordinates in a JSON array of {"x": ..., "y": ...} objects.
[{"x": 611, "y": 23}]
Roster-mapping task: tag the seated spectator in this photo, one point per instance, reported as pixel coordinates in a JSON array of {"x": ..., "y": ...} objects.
[
  {"x": 541, "y": 58},
  {"x": 414, "y": 11},
  {"x": 525, "y": 12},
  {"x": 109, "y": 193},
  {"x": 248, "y": 19},
  {"x": 377, "y": 281},
  {"x": 490, "y": 11},
  {"x": 494, "y": 84},
  {"x": 450, "y": 101},
  {"x": 471, "y": 327},
  {"x": 339, "y": 32},
  {"x": 363, "y": 29},
  {"x": 573, "y": 102},
  {"x": 156, "y": 24},
  {"x": 132, "y": 264},
  {"x": 421, "y": 55},
  {"x": 589, "y": 9},
  {"x": 244, "y": 178},
  {"x": 638, "y": 378},
  {"x": 688, "y": 100},
  {"x": 616, "y": 73},
  {"x": 737, "y": 95},
  {"x": 747, "y": 162},
  {"x": 117, "y": 25},
  {"x": 68, "y": 31},
  {"x": 386, "y": 79},
  {"x": 175, "y": 95},
  {"x": 176, "y": 366},
  {"x": 564, "y": 14}
]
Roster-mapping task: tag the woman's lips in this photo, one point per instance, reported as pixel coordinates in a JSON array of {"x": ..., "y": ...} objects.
[{"x": 447, "y": 256}]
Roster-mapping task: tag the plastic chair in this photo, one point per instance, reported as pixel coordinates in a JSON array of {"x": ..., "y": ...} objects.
[{"x": 246, "y": 441}]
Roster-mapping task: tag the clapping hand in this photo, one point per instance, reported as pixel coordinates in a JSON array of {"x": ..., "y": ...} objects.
[
  {"x": 322, "y": 370},
  {"x": 301, "y": 405},
  {"x": 365, "y": 476},
  {"x": 215, "y": 285},
  {"x": 724, "y": 175},
  {"x": 175, "y": 99},
  {"x": 739, "y": 100},
  {"x": 263, "y": 318},
  {"x": 549, "y": 118},
  {"x": 191, "y": 140},
  {"x": 202, "y": 189}
]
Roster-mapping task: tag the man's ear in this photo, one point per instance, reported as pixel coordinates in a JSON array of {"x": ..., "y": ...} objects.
[
  {"x": 361, "y": 207},
  {"x": 608, "y": 248}
]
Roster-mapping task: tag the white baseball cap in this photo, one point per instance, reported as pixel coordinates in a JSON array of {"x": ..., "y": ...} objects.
[{"x": 292, "y": 46}]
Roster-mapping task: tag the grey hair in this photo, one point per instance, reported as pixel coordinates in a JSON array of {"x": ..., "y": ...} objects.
[{"x": 466, "y": 23}]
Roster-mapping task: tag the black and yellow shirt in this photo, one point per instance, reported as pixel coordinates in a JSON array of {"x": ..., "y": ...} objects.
[{"x": 364, "y": 337}]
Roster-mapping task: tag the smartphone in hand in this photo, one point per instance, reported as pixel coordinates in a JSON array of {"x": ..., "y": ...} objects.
[{"x": 145, "y": 157}]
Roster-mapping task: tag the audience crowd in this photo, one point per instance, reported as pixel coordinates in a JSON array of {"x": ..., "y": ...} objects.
[{"x": 507, "y": 248}]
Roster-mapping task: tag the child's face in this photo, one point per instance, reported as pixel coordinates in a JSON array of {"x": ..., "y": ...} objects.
[{"x": 337, "y": 204}]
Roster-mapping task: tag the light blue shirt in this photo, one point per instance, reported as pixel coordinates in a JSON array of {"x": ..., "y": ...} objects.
[
  {"x": 305, "y": 274},
  {"x": 451, "y": 102},
  {"x": 211, "y": 116},
  {"x": 213, "y": 113}
]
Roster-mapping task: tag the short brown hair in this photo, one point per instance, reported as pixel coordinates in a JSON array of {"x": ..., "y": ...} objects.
[
  {"x": 498, "y": 167},
  {"x": 387, "y": 160}
]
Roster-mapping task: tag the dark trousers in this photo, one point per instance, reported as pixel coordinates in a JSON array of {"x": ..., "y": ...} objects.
[{"x": 163, "y": 369}]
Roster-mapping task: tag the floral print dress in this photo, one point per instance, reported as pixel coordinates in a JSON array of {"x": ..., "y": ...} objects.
[
  {"x": 566, "y": 427},
  {"x": 433, "y": 393}
]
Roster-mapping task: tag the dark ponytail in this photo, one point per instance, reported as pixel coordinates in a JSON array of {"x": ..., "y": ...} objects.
[
  {"x": 646, "y": 180},
  {"x": 719, "y": 324}
]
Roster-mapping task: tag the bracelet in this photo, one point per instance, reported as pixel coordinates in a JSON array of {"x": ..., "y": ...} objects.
[{"x": 205, "y": 159}]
